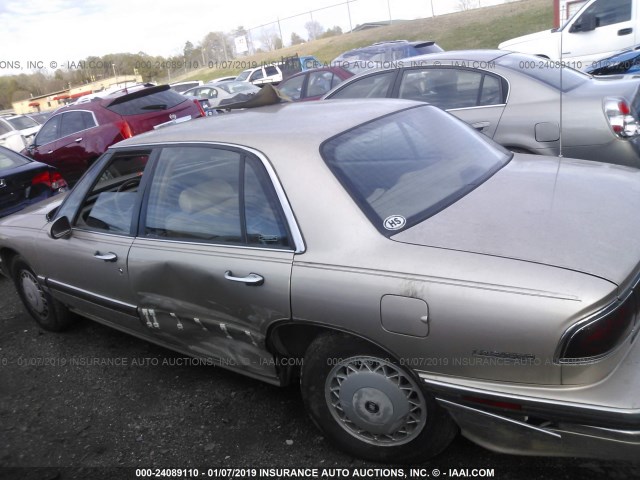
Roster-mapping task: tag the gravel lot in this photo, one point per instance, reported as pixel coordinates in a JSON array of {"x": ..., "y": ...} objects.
[{"x": 121, "y": 402}]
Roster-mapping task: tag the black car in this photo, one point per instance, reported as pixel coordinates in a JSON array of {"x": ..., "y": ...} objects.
[{"x": 24, "y": 182}]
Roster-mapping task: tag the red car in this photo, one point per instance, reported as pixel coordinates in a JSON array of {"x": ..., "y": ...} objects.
[
  {"x": 76, "y": 135},
  {"x": 313, "y": 84}
]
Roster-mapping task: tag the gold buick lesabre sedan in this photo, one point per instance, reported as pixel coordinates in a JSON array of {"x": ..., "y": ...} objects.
[{"x": 416, "y": 278}]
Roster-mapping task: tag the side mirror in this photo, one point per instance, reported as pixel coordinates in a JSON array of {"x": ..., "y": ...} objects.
[
  {"x": 586, "y": 23},
  {"x": 61, "y": 228}
]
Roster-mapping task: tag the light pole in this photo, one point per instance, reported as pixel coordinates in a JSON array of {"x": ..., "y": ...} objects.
[{"x": 113, "y": 65}]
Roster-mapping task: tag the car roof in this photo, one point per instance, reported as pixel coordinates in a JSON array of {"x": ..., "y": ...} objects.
[
  {"x": 473, "y": 55},
  {"x": 265, "y": 127}
]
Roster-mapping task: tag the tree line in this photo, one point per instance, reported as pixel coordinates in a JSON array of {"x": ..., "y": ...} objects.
[{"x": 214, "y": 47}]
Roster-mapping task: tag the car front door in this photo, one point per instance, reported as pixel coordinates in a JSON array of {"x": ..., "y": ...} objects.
[
  {"x": 44, "y": 145},
  {"x": 212, "y": 263},
  {"x": 615, "y": 29},
  {"x": 88, "y": 270},
  {"x": 474, "y": 96}
]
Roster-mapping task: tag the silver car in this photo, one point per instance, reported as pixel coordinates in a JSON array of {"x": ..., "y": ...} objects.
[
  {"x": 516, "y": 99},
  {"x": 414, "y": 276}
]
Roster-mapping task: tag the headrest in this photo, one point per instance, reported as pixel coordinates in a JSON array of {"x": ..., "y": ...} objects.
[{"x": 204, "y": 195}]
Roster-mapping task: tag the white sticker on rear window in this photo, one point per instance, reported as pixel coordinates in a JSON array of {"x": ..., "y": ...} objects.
[{"x": 394, "y": 222}]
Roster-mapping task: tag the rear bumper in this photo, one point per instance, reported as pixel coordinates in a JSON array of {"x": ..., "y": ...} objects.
[
  {"x": 601, "y": 420},
  {"x": 619, "y": 151},
  {"x": 506, "y": 435}
]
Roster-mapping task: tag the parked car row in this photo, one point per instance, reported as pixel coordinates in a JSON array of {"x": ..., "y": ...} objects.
[
  {"x": 17, "y": 131},
  {"x": 517, "y": 102}
]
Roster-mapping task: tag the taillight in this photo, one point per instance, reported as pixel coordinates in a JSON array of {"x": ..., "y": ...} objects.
[
  {"x": 202, "y": 112},
  {"x": 52, "y": 180},
  {"x": 591, "y": 339},
  {"x": 622, "y": 122},
  {"x": 125, "y": 129}
]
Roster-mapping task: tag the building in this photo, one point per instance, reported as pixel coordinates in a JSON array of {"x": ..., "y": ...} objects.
[{"x": 54, "y": 100}]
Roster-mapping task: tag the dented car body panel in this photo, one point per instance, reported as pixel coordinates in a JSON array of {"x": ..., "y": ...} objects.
[{"x": 288, "y": 250}]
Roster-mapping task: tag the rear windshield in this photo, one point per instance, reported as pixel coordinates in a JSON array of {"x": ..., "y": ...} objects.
[
  {"x": 137, "y": 105},
  {"x": 22, "y": 122},
  {"x": 405, "y": 167},
  {"x": 545, "y": 71},
  {"x": 8, "y": 159}
]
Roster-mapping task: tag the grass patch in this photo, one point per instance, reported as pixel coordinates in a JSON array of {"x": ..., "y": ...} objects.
[{"x": 482, "y": 28}]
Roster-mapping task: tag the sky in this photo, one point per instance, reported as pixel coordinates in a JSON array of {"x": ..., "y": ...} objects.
[{"x": 52, "y": 33}]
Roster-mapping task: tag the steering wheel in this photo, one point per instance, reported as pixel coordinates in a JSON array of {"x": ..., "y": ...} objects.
[{"x": 120, "y": 205}]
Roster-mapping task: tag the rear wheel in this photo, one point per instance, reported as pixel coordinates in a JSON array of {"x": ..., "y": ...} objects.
[
  {"x": 49, "y": 313},
  {"x": 369, "y": 405}
]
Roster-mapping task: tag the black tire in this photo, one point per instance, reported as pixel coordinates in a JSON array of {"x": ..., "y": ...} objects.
[
  {"x": 48, "y": 312},
  {"x": 411, "y": 433}
]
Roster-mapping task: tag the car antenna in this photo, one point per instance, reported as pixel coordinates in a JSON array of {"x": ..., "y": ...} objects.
[{"x": 561, "y": 88}]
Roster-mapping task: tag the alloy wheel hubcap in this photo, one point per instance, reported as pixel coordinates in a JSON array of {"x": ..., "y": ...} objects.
[{"x": 375, "y": 401}]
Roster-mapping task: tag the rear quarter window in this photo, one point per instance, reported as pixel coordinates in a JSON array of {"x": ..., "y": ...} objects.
[{"x": 145, "y": 104}]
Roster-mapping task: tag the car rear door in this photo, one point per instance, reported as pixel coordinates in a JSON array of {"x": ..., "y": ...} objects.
[
  {"x": 212, "y": 262},
  {"x": 473, "y": 95},
  {"x": 72, "y": 155}
]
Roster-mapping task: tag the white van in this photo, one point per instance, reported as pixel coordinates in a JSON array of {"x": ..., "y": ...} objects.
[{"x": 598, "y": 29}]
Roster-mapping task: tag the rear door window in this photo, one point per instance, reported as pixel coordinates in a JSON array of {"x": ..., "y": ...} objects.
[
  {"x": 214, "y": 195},
  {"x": 371, "y": 86},
  {"x": 73, "y": 122},
  {"x": 447, "y": 88}
]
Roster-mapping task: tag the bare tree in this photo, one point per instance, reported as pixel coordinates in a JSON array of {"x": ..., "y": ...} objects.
[
  {"x": 464, "y": 5},
  {"x": 314, "y": 29},
  {"x": 270, "y": 39}
]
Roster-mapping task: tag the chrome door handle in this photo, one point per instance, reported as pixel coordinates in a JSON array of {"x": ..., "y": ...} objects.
[
  {"x": 251, "y": 279},
  {"x": 50, "y": 151},
  {"x": 78, "y": 139},
  {"x": 107, "y": 257},
  {"x": 480, "y": 125}
]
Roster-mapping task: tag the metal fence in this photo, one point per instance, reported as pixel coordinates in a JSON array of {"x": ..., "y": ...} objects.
[{"x": 350, "y": 15}]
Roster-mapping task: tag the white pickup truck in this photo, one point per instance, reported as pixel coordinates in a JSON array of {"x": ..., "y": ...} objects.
[{"x": 598, "y": 29}]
